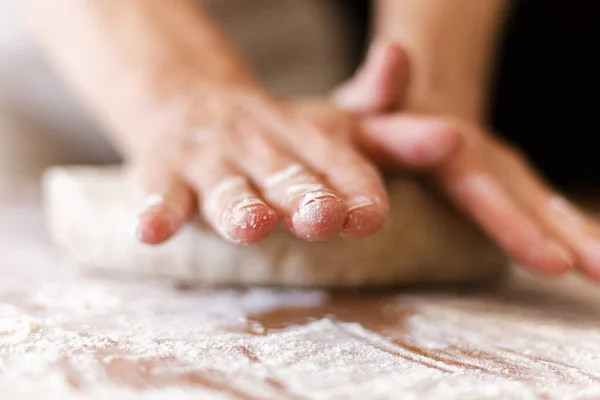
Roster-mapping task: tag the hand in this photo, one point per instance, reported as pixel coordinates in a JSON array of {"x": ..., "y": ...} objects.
[
  {"x": 491, "y": 181},
  {"x": 179, "y": 101},
  {"x": 243, "y": 160}
]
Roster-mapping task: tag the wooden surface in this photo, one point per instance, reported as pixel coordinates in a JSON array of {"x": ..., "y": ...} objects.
[{"x": 66, "y": 335}]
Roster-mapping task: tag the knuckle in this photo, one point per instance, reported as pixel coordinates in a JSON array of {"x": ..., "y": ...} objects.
[{"x": 454, "y": 127}]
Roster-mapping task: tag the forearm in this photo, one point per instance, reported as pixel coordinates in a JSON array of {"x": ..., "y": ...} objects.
[
  {"x": 122, "y": 56},
  {"x": 451, "y": 45}
]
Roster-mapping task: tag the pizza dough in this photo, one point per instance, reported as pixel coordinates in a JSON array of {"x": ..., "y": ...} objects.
[{"x": 91, "y": 215}]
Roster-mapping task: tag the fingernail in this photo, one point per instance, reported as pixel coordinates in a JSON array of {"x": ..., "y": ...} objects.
[
  {"x": 312, "y": 197},
  {"x": 359, "y": 202},
  {"x": 365, "y": 217},
  {"x": 246, "y": 220},
  {"x": 319, "y": 216},
  {"x": 563, "y": 252},
  {"x": 242, "y": 215},
  {"x": 150, "y": 202},
  {"x": 246, "y": 203}
]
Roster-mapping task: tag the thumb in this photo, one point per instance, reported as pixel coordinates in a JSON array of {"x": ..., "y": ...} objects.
[{"x": 379, "y": 83}]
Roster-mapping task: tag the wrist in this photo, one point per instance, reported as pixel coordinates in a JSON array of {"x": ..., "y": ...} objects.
[
  {"x": 458, "y": 98},
  {"x": 451, "y": 47}
]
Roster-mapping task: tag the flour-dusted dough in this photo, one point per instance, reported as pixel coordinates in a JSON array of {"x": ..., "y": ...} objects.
[{"x": 91, "y": 215}]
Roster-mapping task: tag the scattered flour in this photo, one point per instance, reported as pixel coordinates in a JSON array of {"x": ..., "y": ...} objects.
[{"x": 64, "y": 335}]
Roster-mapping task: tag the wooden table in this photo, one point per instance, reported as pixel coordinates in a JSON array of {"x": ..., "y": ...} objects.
[{"x": 66, "y": 335}]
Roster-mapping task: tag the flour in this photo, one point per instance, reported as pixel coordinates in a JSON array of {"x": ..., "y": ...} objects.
[
  {"x": 67, "y": 335},
  {"x": 73, "y": 298},
  {"x": 319, "y": 360}
]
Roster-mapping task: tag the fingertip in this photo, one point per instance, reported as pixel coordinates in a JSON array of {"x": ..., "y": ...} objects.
[
  {"x": 389, "y": 54},
  {"x": 319, "y": 216},
  {"x": 385, "y": 76},
  {"x": 380, "y": 82},
  {"x": 250, "y": 223},
  {"x": 414, "y": 142},
  {"x": 166, "y": 204},
  {"x": 553, "y": 259},
  {"x": 365, "y": 217},
  {"x": 154, "y": 228},
  {"x": 436, "y": 144}
]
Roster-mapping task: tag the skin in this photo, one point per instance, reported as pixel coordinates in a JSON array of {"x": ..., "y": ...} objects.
[
  {"x": 206, "y": 137},
  {"x": 204, "y": 134},
  {"x": 452, "y": 46}
]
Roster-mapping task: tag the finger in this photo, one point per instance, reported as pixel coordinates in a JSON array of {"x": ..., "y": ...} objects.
[
  {"x": 311, "y": 208},
  {"x": 580, "y": 232},
  {"x": 379, "y": 83},
  {"x": 351, "y": 175},
  {"x": 227, "y": 201},
  {"x": 475, "y": 189},
  {"x": 514, "y": 230},
  {"x": 361, "y": 186},
  {"x": 408, "y": 141},
  {"x": 167, "y": 204}
]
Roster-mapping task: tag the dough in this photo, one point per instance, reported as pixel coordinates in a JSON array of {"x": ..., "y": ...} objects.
[{"x": 91, "y": 215}]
